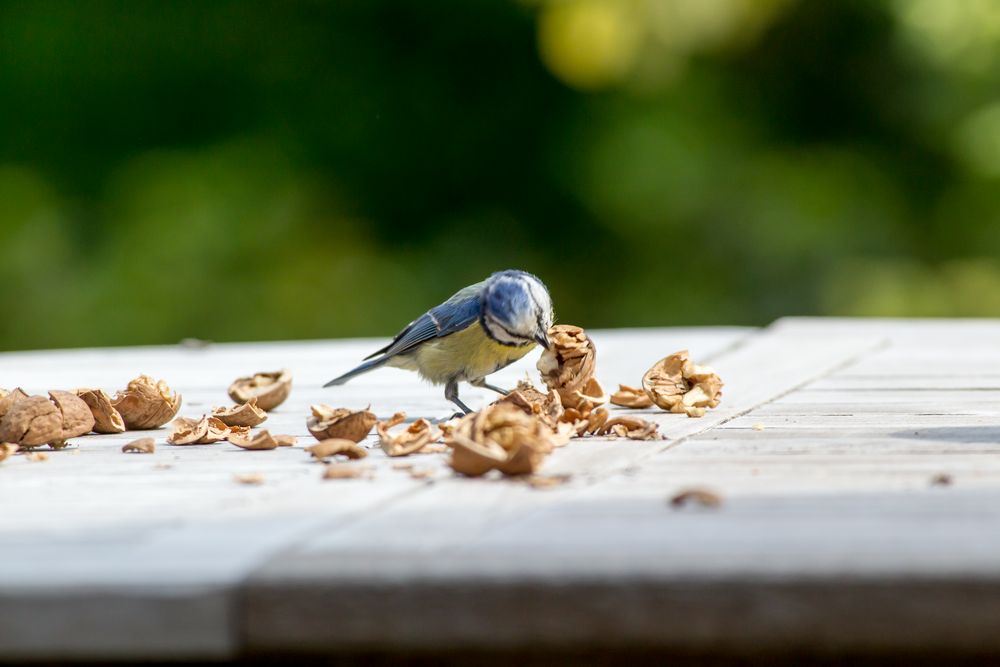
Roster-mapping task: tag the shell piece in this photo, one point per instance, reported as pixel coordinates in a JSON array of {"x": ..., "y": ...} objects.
[
  {"x": 696, "y": 496},
  {"x": 247, "y": 414},
  {"x": 252, "y": 478},
  {"x": 409, "y": 441},
  {"x": 9, "y": 398},
  {"x": 327, "y": 422},
  {"x": 269, "y": 388},
  {"x": 7, "y": 449},
  {"x": 343, "y": 471},
  {"x": 337, "y": 446},
  {"x": 547, "y": 407},
  {"x": 106, "y": 418},
  {"x": 204, "y": 431},
  {"x": 146, "y": 404},
  {"x": 630, "y": 427},
  {"x": 140, "y": 446},
  {"x": 500, "y": 437},
  {"x": 631, "y": 397},
  {"x": 677, "y": 385},
  {"x": 261, "y": 440},
  {"x": 568, "y": 364}
]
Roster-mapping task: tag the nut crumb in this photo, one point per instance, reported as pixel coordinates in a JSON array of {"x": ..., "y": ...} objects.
[
  {"x": 696, "y": 496},
  {"x": 547, "y": 481},
  {"x": 140, "y": 446},
  {"x": 7, "y": 449},
  {"x": 422, "y": 473},
  {"x": 255, "y": 478},
  {"x": 942, "y": 479},
  {"x": 343, "y": 471},
  {"x": 37, "y": 457},
  {"x": 758, "y": 427}
]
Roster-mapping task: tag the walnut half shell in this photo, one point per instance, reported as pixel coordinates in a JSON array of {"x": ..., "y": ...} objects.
[
  {"x": 327, "y": 422},
  {"x": 677, "y": 385},
  {"x": 270, "y": 389},
  {"x": 248, "y": 414},
  {"x": 106, "y": 418},
  {"x": 568, "y": 364},
  {"x": 146, "y": 404},
  {"x": 500, "y": 437}
]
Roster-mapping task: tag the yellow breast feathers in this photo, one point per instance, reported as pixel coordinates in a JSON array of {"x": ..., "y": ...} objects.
[{"x": 465, "y": 355}]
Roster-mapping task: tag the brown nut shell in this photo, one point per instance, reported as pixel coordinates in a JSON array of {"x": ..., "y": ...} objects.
[
  {"x": 547, "y": 407},
  {"x": 501, "y": 437},
  {"x": 631, "y": 397},
  {"x": 9, "y": 398},
  {"x": 261, "y": 440},
  {"x": 106, "y": 418},
  {"x": 140, "y": 446},
  {"x": 269, "y": 388},
  {"x": 676, "y": 384},
  {"x": 630, "y": 427},
  {"x": 204, "y": 431},
  {"x": 146, "y": 404},
  {"x": 569, "y": 362},
  {"x": 32, "y": 422},
  {"x": 410, "y": 440},
  {"x": 327, "y": 422},
  {"x": 247, "y": 414},
  {"x": 7, "y": 449},
  {"x": 337, "y": 447},
  {"x": 76, "y": 416}
]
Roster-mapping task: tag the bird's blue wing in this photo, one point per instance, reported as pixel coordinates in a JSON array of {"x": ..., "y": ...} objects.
[{"x": 453, "y": 315}]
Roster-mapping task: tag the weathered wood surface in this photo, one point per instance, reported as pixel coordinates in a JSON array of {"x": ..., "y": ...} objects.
[{"x": 831, "y": 535}]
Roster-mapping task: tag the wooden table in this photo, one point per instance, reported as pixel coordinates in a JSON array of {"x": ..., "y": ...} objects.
[{"x": 832, "y": 536}]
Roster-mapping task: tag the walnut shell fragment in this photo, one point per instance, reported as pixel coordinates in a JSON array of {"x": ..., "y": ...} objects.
[
  {"x": 337, "y": 447},
  {"x": 327, "y": 422},
  {"x": 251, "y": 478},
  {"x": 547, "y": 407},
  {"x": 146, "y": 404},
  {"x": 106, "y": 418},
  {"x": 631, "y": 397},
  {"x": 500, "y": 437},
  {"x": 343, "y": 471},
  {"x": 204, "y": 431},
  {"x": 247, "y": 414},
  {"x": 696, "y": 496},
  {"x": 36, "y": 420},
  {"x": 7, "y": 449},
  {"x": 140, "y": 446},
  {"x": 261, "y": 440},
  {"x": 633, "y": 428},
  {"x": 568, "y": 364},
  {"x": 9, "y": 398},
  {"x": 270, "y": 389},
  {"x": 412, "y": 439},
  {"x": 677, "y": 385}
]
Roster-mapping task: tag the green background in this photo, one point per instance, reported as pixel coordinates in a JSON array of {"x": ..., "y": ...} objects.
[{"x": 262, "y": 170}]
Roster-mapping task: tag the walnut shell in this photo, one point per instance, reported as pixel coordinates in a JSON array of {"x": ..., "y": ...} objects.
[
  {"x": 502, "y": 437},
  {"x": 677, "y": 385},
  {"x": 146, "y": 404},
  {"x": 631, "y": 397},
  {"x": 106, "y": 418},
  {"x": 337, "y": 446},
  {"x": 140, "y": 446},
  {"x": 630, "y": 427},
  {"x": 248, "y": 414},
  {"x": 327, "y": 422},
  {"x": 37, "y": 420},
  {"x": 410, "y": 440},
  {"x": 7, "y": 449},
  {"x": 270, "y": 389},
  {"x": 260, "y": 440},
  {"x": 547, "y": 407},
  {"x": 204, "y": 431}
]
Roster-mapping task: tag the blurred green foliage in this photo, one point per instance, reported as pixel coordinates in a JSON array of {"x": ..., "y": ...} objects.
[{"x": 249, "y": 170}]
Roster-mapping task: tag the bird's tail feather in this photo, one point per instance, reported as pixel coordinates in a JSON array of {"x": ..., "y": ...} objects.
[{"x": 363, "y": 368}]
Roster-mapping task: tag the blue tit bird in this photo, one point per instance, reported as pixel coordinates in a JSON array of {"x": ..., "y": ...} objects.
[{"x": 481, "y": 329}]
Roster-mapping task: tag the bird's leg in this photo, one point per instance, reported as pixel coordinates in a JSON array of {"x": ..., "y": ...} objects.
[
  {"x": 451, "y": 393},
  {"x": 481, "y": 382}
]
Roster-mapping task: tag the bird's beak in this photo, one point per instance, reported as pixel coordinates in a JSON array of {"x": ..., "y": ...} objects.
[{"x": 542, "y": 340}]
